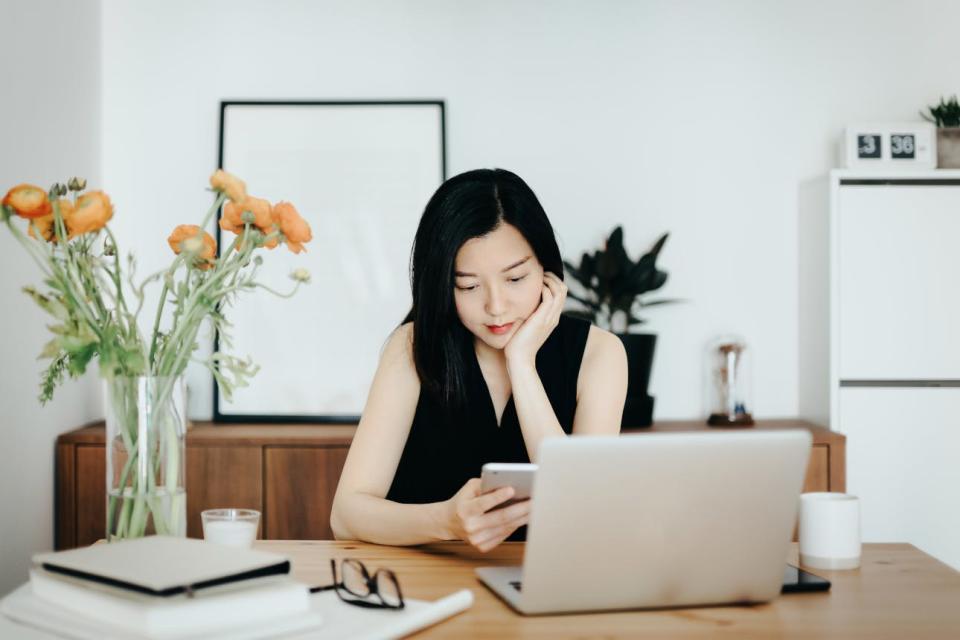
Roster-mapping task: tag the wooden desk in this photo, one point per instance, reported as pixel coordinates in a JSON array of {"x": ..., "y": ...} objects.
[{"x": 899, "y": 592}]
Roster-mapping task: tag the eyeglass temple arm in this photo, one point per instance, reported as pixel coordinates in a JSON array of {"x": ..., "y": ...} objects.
[
  {"x": 333, "y": 572},
  {"x": 319, "y": 589}
]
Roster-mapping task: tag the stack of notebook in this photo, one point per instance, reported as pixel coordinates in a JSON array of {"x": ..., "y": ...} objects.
[{"x": 163, "y": 588}]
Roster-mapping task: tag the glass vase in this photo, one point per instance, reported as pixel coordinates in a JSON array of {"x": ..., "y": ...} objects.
[{"x": 146, "y": 435}]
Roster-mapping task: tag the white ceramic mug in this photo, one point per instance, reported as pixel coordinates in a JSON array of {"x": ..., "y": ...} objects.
[{"x": 829, "y": 530}]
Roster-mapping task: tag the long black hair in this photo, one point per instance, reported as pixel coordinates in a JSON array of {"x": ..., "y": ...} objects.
[{"x": 466, "y": 206}]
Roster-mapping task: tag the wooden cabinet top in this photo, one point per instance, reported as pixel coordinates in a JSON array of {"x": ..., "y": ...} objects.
[{"x": 224, "y": 434}]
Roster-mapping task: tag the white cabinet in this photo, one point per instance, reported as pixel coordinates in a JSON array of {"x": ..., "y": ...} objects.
[
  {"x": 903, "y": 460},
  {"x": 898, "y": 271},
  {"x": 880, "y": 345}
]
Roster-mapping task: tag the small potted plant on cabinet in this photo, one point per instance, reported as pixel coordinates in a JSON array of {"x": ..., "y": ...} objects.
[
  {"x": 946, "y": 116},
  {"x": 614, "y": 287}
]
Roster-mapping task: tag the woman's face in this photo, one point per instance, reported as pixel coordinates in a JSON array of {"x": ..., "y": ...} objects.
[{"x": 498, "y": 282}]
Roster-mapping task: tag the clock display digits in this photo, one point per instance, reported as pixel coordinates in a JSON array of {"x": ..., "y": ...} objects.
[
  {"x": 902, "y": 145},
  {"x": 868, "y": 145}
]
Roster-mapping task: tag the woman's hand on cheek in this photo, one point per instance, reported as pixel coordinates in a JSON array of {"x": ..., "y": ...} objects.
[
  {"x": 470, "y": 517},
  {"x": 534, "y": 331}
]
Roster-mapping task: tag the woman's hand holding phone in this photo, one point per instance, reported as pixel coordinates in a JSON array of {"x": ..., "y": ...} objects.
[{"x": 471, "y": 516}]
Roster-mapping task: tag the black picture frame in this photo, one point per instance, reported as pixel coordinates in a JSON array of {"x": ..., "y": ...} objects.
[{"x": 220, "y": 415}]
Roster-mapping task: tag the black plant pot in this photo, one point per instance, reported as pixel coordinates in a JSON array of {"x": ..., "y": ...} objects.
[{"x": 638, "y": 410}]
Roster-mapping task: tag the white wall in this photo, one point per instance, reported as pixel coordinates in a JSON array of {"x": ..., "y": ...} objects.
[
  {"x": 701, "y": 118},
  {"x": 49, "y": 131}
]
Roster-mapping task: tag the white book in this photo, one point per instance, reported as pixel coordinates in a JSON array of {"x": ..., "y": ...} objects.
[
  {"x": 26, "y": 616},
  {"x": 210, "y": 610}
]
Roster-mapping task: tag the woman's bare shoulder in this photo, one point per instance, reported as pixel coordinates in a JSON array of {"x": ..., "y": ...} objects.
[
  {"x": 603, "y": 346},
  {"x": 398, "y": 350}
]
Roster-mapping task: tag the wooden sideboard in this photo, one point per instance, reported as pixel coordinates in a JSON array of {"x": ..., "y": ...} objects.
[{"x": 290, "y": 472}]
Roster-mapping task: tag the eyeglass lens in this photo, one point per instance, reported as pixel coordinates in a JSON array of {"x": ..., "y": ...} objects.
[
  {"x": 355, "y": 578},
  {"x": 387, "y": 588}
]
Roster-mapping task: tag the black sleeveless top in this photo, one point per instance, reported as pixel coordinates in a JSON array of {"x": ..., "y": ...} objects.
[{"x": 442, "y": 452}]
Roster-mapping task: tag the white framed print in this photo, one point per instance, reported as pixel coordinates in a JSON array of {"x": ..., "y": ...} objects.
[
  {"x": 360, "y": 173},
  {"x": 905, "y": 144}
]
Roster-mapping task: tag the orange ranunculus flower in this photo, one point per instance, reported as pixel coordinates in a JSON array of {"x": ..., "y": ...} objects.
[
  {"x": 294, "y": 228},
  {"x": 232, "y": 218},
  {"x": 92, "y": 213},
  {"x": 45, "y": 226},
  {"x": 205, "y": 248},
  {"x": 272, "y": 243},
  {"x": 28, "y": 201},
  {"x": 234, "y": 187}
]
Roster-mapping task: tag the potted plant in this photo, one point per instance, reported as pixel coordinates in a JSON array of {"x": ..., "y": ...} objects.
[
  {"x": 946, "y": 116},
  {"x": 614, "y": 288}
]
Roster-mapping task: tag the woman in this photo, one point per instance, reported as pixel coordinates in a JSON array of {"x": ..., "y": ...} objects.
[{"x": 482, "y": 370}]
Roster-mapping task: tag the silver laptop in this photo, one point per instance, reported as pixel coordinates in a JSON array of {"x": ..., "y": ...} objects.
[{"x": 657, "y": 520}]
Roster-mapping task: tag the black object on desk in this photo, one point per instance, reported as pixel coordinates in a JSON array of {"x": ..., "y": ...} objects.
[{"x": 797, "y": 580}]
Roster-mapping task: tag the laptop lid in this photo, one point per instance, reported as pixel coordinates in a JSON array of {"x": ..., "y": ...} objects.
[{"x": 662, "y": 520}]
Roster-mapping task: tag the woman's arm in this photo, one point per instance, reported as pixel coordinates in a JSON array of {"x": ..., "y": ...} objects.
[
  {"x": 360, "y": 509},
  {"x": 534, "y": 411},
  {"x": 601, "y": 385},
  {"x": 601, "y": 393}
]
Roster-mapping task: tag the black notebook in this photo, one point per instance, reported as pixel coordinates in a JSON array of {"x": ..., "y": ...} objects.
[{"x": 163, "y": 565}]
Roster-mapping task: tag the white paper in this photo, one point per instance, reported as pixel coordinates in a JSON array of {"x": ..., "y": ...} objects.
[{"x": 341, "y": 620}]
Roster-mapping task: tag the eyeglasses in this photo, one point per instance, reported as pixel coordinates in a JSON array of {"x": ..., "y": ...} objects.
[{"x": 358, "y": 583}]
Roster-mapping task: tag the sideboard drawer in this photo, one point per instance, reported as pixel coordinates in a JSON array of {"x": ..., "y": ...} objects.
[
  {"x": 300, "y": 485},
  {"x": 220, "y": 477}
]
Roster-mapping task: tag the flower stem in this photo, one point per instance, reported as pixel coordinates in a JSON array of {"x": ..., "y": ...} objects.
[
  {"x": 277, "y": 293},
  {"x": 217, "y": 203},
  {"x": 194, "y": 308},
  {"x": 156, "y": 326}
]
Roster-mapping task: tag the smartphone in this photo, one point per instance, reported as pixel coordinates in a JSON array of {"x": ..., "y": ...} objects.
[
  {"x": 797, "y": 580},
  {"x": 518, "y": 475}
]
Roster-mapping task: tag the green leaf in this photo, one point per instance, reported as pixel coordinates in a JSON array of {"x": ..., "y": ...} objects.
[
  {"x": 613, "y": 280},
  {"x": 51, "y": 349},
  {"x": 581, "y": 314},
  {"x": 78, "y": 360},
  {"x": 241, "y": 371},
  {"x": 633, "y": 320},
  {"x": 58, "y": 329},
  {"x": 614, "y": 260},
  {"x": 662, "y": 301},
  {"x": 588, "y": 268},
  {"x": 78, "y": 340},
  {"x": 623, "y": 302},
  {"x": 575, "y": 273},
  {"x": 584, "y": 301},
  {"x": 945, "y": 114},
  {"x": 52, "y": 378},
  {"x": 53, "y": 306}
]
